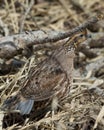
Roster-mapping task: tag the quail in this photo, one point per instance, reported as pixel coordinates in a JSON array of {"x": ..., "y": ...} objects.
[{"x": 50, "y": 78}]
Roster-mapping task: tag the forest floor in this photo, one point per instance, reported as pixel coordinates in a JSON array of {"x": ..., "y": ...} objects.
[{"x": 84, "y": 109}]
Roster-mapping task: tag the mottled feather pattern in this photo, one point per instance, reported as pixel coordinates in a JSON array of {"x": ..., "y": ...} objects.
[
  {"x": 41, "y": 85},
  {"x": 50, "y": 78}
]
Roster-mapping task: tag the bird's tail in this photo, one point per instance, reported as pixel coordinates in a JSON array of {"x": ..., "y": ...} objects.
[
  {"x": 25, "y": 106},
  {"x": 15, "y": 103}
]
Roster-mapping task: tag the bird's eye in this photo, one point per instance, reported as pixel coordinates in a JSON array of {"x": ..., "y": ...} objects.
[{"x": 81, "y": 35}]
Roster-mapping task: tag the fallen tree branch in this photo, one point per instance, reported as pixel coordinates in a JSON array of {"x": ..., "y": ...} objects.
[{"x": 11, "y": 46}]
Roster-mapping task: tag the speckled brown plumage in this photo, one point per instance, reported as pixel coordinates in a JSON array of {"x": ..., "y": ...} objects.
[{"x": 50, "y": 78}]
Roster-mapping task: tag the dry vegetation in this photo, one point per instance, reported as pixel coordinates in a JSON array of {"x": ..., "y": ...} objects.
[{"x": 84, "y": 108}]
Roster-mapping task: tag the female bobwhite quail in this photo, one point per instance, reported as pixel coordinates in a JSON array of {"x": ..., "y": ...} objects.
[{"x": 50, "y": 78}]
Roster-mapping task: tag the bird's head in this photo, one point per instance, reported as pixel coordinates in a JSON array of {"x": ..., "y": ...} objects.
[{"x": 78, "y": 38}]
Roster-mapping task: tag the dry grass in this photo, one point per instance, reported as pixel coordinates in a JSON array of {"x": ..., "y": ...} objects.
[{"x": 86, "y": 98}]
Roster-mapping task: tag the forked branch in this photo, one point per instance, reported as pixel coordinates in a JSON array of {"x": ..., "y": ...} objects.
[{"x": 13, "y": 45}]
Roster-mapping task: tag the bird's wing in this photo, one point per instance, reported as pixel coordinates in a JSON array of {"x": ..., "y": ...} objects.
[{"x": 45, "y": 80}]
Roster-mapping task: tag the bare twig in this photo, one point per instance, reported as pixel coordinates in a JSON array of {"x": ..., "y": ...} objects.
[
  {"x": 12, "y": 45},
  {"x": 25, "y": 15},
  {"x": 87, "y": 52},
  {"x": 4, "y": 27},
  {"x": 66, "y": 7},
  {"x": 99, "y": 42},
  {"x": 54, "y": 36}
]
